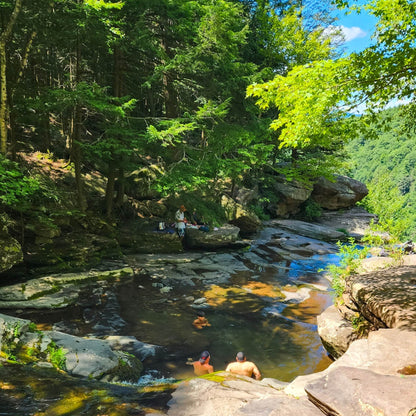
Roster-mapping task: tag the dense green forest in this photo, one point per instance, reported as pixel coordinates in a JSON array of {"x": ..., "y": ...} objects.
[
  {"x": 188, "y": 95},
  {"x": 387, "y": 164}
]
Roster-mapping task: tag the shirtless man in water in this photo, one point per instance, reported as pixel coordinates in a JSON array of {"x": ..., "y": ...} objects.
[
  {"x": 202, "y": 366},
  {"x": 243, "y": 367}
]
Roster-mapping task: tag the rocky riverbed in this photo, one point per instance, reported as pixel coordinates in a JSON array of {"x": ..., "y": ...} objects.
[{"x": 237, "y": 285}]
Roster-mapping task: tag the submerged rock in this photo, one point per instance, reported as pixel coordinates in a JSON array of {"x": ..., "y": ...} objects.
[{"x": 55, "y": 291}]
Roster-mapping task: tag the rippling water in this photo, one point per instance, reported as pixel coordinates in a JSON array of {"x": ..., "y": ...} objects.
[
  {"x": 268, "y": 314},
  {"x": 255, "y": 300}
]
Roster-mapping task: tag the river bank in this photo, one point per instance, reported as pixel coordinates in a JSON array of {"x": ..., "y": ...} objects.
[
  {"x": 263, "y": 299},
  {"x": 270, "y": 292}
]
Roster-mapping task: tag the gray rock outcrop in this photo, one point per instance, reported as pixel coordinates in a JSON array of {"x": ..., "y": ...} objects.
[
  {"x": 386, "y": 298},
  {"x": 316, "y": 231},
  {"x": 335, "y": 331},
  {"x": 343, "y": 192},
  {"x": 224, "y": 236},
  {"x": 11, "y": 251},
  {"x": 382, "y": 298},
  {"x": 290, "y": 196},
  {"x": 241, "y": 217},
  {"x": 92, "y": 358},
  {"x": 355, "y": 221}
]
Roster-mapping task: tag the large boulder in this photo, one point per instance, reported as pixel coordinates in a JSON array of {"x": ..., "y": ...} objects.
[
  {"x": 246, "y": 221},
  {"x": 386, "y": 298},
  {"x": 385, "y": 352},
  {"x": 225, "y": 236},
  {"x": 290, "y": 196},
  {"x": 94, "y": 358},
  {"x": 344, "y": 192},
  {"x": 335, "y": 331},
  {"x": 355, "y": 221}
]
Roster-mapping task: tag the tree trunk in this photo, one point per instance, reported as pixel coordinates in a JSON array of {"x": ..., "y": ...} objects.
[
  {"x": 5, "y": 35},
  {"x": 118, "y": 92},
  {"x": 77, "y": 159},
  {"x": 109, "y": 191},
  {"x": 3, "y": 99},
  {"x": 120, "y": 187}
]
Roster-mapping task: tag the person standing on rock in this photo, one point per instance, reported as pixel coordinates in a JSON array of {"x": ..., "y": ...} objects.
[
  {"x": 243, "y": 367},
  {"x": 180, "y": 221},
  {"x": 202, "y": 366}
]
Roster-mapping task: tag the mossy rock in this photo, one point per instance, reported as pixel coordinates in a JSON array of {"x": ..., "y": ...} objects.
[{"x": 11, "y": 252}]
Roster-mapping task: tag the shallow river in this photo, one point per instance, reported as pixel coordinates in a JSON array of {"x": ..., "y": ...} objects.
[{"x": 258, "y": 300}]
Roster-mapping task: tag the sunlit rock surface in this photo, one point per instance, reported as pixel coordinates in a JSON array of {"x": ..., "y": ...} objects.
[
  {"x": 355, "y": 221},
  {"x": 336, "y": 332},
  {"x": 227, "y": 395},
  {"x": 316, "y": 231},
  {"x": 387, "y": 298},
  {"x": 369, "y": 379},
  {"x": 344, "y": 192}
]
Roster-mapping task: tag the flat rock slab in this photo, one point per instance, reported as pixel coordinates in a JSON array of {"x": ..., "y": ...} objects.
[
  {"x": 385, "y": 351},
  {"x": 352, "y": 391},
  {"x": 54, "y": 291},
  {"x": 356, "y": 221},
  {"x": 386, "y": 297},
  {"x": 235, "y": 396},
  {"x": 224, "y": 236},
  {"x": 316, "y": 231}
]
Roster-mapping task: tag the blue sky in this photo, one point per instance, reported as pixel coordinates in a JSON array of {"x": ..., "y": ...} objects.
[{"x": 357, "y": 29}]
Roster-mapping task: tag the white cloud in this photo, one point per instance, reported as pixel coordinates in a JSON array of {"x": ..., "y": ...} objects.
[
  {"x": 343, "y": 34},
  {"x": 351, "y": 33}
]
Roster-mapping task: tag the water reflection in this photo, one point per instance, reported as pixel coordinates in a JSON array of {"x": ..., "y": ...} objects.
[
  {"x": 269, "y": 314},
  {"x": 255, "y": 301}
]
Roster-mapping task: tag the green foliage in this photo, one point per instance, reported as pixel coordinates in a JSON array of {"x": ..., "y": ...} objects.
[
  {"x": 311, "y": 210},
  {"x": 360, "y": 325},
  {"x": 207, "y": 206},
  {"x": 15, "y": 187},
  {"x": 387, "y": 164},
  {"x": 56, "y": 356},
  {"x": 10, "y": 340},
  {"x": 350, "y": 260}
]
